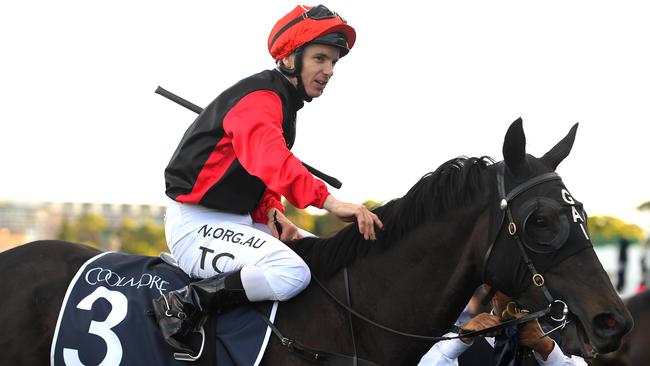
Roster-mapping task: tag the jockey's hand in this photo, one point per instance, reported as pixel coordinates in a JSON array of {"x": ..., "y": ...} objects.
[
  {"x": 350, "y": 212},
  {"x": 480, "y": 322},
  {"x": 531, "y": 336},
  {"x": 289, "y": 230}
]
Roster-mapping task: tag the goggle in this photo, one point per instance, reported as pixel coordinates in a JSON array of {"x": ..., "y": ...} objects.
[
  {"x": 321, "y": 12},
  {"x": 545, "y": 225},
  {"x": 318, "y": 12}
]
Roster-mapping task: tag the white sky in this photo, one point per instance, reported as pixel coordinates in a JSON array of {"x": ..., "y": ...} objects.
[{"x": 427, "y": 81}]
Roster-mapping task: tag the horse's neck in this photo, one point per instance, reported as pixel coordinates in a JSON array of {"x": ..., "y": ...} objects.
[{"x": 421, "y": 284}]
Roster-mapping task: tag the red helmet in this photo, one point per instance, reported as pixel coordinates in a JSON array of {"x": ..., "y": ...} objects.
[{"x": 305, "y": 24}]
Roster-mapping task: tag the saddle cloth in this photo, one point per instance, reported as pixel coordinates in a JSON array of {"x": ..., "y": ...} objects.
[{"x": 107, "y": 319}]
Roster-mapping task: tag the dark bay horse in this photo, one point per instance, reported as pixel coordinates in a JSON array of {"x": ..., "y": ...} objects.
[{"x": 449, "y": 234}]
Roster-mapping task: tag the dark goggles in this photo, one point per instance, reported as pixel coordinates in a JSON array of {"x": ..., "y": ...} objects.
[
  {"x": 318, "y": 12},
  {"x": 545, "y": 225},
  {"x": 321, "y": 12}
]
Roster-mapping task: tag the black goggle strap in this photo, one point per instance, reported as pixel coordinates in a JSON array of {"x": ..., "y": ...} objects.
[{"x": 321, "y": 12}]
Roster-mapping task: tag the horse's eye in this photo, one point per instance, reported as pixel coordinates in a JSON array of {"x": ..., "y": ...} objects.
[
  {"x": 540, "y": 221},
  {"x": 546, "y": 226}
]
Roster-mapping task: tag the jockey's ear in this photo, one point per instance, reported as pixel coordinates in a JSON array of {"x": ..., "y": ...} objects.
[
  {"x": 514, "y": 149},
  {"x": 560, "y": 151}
]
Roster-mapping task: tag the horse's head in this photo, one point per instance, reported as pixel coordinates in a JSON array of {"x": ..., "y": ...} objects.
[{"x": 538, "y": 221}]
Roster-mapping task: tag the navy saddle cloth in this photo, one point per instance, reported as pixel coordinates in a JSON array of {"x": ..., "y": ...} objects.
[{"x": 106, "y": 318}]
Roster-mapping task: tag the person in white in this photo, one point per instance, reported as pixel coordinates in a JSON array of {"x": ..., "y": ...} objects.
[{"x": 545, "y": 350}]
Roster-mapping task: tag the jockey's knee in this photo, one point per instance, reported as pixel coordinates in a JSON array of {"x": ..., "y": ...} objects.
[
  {"x": 288, "y": 281},
  {"x": 278, "y": 281}
]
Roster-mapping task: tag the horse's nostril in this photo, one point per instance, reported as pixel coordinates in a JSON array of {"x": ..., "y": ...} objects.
[
  {"x": 608, "y": 328},
  {"x": 606, "y": 322},
  {"x": 610, "y": 322}
]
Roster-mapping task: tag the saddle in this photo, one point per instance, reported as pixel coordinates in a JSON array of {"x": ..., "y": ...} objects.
[{"x": 107, "y": 317}]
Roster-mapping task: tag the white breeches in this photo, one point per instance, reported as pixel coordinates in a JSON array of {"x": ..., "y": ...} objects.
[{"x": 206, "y": 242}]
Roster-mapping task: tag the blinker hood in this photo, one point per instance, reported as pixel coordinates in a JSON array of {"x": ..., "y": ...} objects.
[{"x": 548, "y": 231}]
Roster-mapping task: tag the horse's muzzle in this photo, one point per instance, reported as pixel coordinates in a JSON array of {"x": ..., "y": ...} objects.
[{"x": 609, "y": 328}]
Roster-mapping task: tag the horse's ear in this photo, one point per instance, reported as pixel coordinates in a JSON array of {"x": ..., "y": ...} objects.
[
  {"x": 560, "y": 151},
  {"x": 514, "y": 148}
]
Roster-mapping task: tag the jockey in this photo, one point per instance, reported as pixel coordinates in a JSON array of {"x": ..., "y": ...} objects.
[{"x": 226, "y": 178}]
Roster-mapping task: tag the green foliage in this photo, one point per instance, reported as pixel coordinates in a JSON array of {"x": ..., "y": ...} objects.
[
  {"x": 300, "y": 218},
  {"x": 66, "y": 232},
  {"x": 319, "y": 225},
  {"x": 327, "y": 225},
  {"x": 645, "y": 206},
  {"x": 608, "y": 229},
  {"x": 145, "y": 239},
  {"x": 372, "y": 204},
  {"x": 148, "y": 238},
  {"x": 89, "y": 229}
]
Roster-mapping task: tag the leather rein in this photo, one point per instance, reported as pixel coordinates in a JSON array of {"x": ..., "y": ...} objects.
[{"x": 334, "y": 359}]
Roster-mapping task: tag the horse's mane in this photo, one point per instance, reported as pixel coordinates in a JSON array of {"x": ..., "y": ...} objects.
[{"x": 455, "y": 183}]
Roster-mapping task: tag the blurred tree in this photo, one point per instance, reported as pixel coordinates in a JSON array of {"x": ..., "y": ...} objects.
[
  {"x": 145, "y": 239},
  {"x": 300, "y": 218},
  {"x": 66, "y": 232},
  {"x": 372, "y": 204},
  {"x": 645, "y": 206},
  {"x": 125, "y": 233},
  {"x": 91, "y": 229},
  {"x": 608, "y": 229},
  {"x": 327, "y": 225},
  {"x": 148, "y": 238}
]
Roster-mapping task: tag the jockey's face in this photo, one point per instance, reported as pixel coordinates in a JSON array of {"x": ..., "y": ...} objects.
[{"x": 317, "y": 67}]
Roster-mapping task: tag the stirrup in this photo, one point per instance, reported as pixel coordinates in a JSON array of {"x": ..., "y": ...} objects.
[{"x": 186, "y": 356}]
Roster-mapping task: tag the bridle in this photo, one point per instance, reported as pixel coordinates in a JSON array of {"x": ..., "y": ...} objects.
[
  {"x": 557, "y": 309},
  {"x": 506, "y": 213}
]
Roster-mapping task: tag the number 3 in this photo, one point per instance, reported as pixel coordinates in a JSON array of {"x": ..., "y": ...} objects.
[{"x": 118, "y": 312}]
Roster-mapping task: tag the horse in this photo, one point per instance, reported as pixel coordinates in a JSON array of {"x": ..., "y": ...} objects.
[
  {"x": 511, "y": 224},
  {"x": 635, "y": 345}
]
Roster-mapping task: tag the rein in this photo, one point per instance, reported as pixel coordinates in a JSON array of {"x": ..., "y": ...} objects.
[
  {"x": 462, "y": 333},
  {"x": 537, "y": 278},
  {"x": 335, "y": 359}
]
